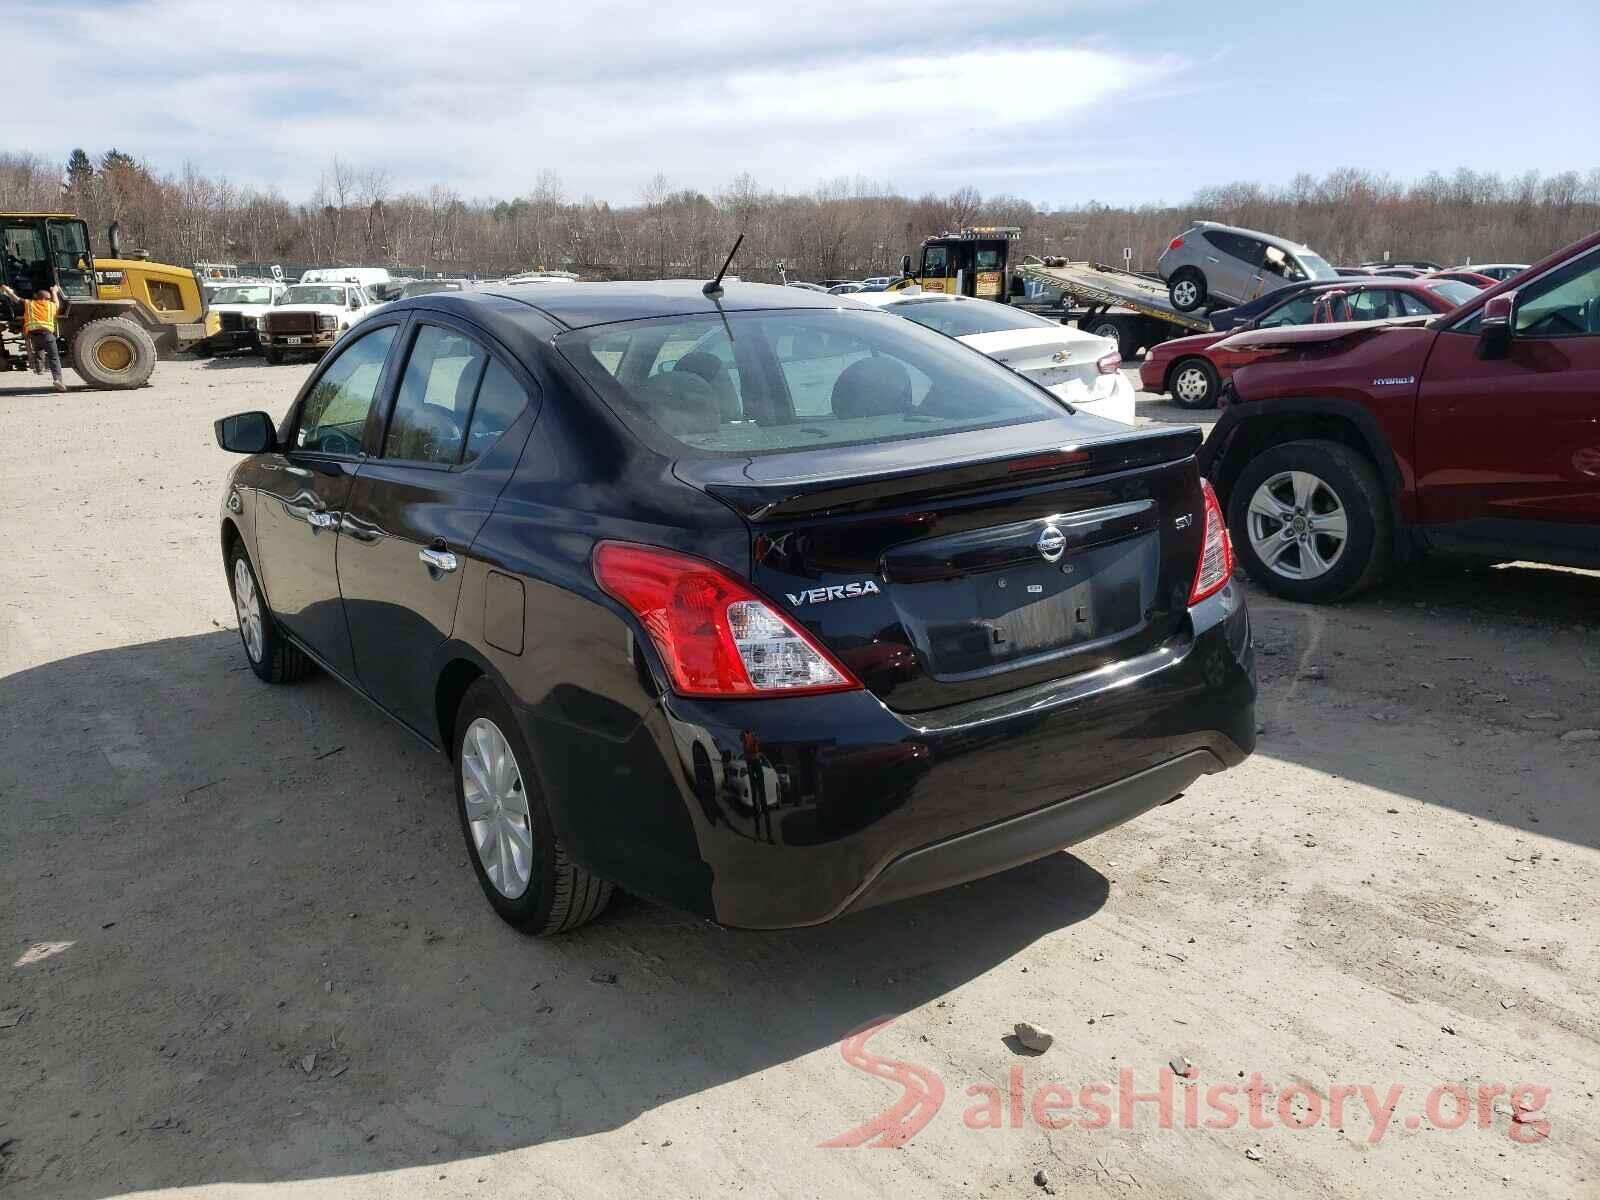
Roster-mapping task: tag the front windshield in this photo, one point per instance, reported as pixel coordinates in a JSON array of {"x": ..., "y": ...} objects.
[
  {"x": 959, "y": 318},
  {"x": 766, "y": 381},
  {"x": 1317, "y": 265},
  {"x": 1454, "y": 290},
  {"x": 242, "y": 295},
  {"x": 314, "y": 293}
]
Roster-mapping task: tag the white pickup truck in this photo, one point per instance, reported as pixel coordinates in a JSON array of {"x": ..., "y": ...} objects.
[
  {"x": 317, "y": 311},
  {"x": 240, "y": 305}
]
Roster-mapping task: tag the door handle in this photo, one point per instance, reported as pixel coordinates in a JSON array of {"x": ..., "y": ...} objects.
[
  {"x": 300, "y": 471},
  {"x": 438, "y": 560},
  {"x": 318, "y": 519}
]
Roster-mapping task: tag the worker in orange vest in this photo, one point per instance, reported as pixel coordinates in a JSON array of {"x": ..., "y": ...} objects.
[{"x": 39, "y": 317}]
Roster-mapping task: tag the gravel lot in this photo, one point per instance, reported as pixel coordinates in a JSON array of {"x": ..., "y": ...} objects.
[{"x": 245, "y": 954}]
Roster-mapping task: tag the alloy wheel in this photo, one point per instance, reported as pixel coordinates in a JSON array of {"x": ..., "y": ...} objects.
[
  {"x": 248, "y": 602},
  {"x": 497, "y": 808},
  {"x": 1298, "y": 528},
  {"x": 1185, "y": 293}
]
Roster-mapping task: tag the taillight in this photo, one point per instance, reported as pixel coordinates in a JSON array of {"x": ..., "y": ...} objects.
[
  {"x": 1216, "y": 552},
  {"x": 716, "y": 636},
  {"x": 1175, "y": 242},
  {"x": 1110, "y": 363}
]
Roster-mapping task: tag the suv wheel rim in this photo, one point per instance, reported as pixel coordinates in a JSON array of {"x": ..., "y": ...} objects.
[
  {"x": 497, "y": 808},
  {"x": 248, "y": 601},
  {"x": 1191, "y": 385},
  {"x": 1109, "y": 331},
  {"x": 1184, "y": 293},
  {"x": 1297, "y": 526}
]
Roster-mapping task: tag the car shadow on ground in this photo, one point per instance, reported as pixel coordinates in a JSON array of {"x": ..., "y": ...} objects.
[
  {"x": 1449, "y": 667},
  {"x": 246, "y": 946}
]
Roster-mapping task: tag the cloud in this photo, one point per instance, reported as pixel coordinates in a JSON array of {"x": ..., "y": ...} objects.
[{"x": 485, "y": 96}]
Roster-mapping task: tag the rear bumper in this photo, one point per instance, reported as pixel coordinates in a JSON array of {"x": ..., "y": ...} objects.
[
  {"x": 785, "y": 812},
  {"x": 1022, "y": 839}
]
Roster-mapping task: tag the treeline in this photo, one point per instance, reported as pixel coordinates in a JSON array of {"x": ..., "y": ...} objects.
[{"x": 843, "y": 229}]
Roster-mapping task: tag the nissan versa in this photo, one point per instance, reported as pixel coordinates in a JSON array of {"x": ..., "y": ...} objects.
[{"x": 756, "y": 602}]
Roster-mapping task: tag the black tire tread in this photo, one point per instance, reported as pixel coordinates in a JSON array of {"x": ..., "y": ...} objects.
[
  {"x": 144, "y": 344},
  {"x": 281, "y": 660},
  {"x": 1216, "y": 382},
  {"x": 1363, "y": 474},
  {"x": 576, "y": 895}
]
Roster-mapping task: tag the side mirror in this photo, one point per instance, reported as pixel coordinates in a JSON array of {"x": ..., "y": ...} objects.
[
  {"x": 1494, "y": 326},
  {"x": 246, "y": 433},
  {"x": 905, "y": 266}
]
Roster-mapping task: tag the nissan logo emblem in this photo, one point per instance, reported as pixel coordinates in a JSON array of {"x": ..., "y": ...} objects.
[{"x": 1052, "y": 542}]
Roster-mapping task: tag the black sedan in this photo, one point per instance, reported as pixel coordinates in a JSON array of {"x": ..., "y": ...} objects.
[{"x": 762, "y": 604}]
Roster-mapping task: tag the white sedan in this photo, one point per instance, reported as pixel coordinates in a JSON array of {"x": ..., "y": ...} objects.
[{"x": 1081, "y": 368}]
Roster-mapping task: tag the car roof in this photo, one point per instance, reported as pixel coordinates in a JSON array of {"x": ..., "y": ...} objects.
[
  {"x": 578, "y": 305},
  {"x": 1270, "y": 238}
]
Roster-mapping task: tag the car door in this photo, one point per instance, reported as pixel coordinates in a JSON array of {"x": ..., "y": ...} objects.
[
  {"x": 1231, "y": 266},
  {"x": 301, "y": 500},
  {"x": 1509, "y": 449},
  {"x": 419, "y": 502}
]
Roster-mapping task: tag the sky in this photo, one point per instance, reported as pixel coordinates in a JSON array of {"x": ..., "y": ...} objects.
[{"x": 1058, "y": 102}]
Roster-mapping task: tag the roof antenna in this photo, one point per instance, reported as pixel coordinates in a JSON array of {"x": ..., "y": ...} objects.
[{"x": 714, "y": 287}]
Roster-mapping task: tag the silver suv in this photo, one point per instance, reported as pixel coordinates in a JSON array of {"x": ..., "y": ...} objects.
[{"x": 1217, "y": 265}]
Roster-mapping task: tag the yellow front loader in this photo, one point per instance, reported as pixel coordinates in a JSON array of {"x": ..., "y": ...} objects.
[{"x": 121, "y": 314}]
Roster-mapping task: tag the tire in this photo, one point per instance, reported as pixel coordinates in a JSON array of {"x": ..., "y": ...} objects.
[
  {"x": 114, "y": 353},
  {"x": 274, "y": 357},
  {"x": 1326, "y": 473},
  {"x": 1193, "y": 383},
  {"x": 1187, "y": 289},
  {"x": 1114, "y": 328},
  {"x": 270, "y": 654},
  {"x": 554, "y": 894}
]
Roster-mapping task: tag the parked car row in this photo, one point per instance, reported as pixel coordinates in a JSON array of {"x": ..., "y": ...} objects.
[{"x": 1193, "y": 369}]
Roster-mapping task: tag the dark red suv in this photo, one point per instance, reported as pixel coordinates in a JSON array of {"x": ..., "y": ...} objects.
[{"x": 1347, "y": 449}]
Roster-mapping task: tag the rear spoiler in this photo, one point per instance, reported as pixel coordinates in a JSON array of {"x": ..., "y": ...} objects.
[{"x": 844, "y": 493}]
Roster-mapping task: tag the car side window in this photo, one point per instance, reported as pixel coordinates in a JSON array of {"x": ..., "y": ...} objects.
[
  {"x": 1373, "y": 304},
  {"x": 1565, "y": 303},
  {"x": 1280, "y": 263},
  {"x": 1293, "y": 312},
  {"x": 934, "y": 259},
  {"x": 1413, "y": 306},
  {"x": 334, "y": 414},
  {"x": 435, "y": 399},
  {"x": 500, "y": 402}
]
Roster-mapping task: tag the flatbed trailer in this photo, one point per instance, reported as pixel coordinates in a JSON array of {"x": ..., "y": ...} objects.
[{"x": 1134, "y": 309}]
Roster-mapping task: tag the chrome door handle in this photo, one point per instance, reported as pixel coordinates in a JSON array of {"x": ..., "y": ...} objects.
[
  {"x": 300, "y": 471},
  {"x": 438, "y": 560},
  {"x": 322, "y": 520}
]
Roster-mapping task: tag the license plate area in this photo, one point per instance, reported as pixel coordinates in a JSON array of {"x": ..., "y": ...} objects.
[
  {"x": 291, "y": 341},
  {"x": 1023, "y": 612}
]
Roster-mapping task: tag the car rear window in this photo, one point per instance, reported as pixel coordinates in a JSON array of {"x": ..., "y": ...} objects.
[
  {"x": 1454, "y": 290},
  {"x": 960, "y": 318},
  {"x": 752, "y": 383}
]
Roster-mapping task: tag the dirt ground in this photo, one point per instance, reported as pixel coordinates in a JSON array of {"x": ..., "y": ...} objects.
[{"x": 244, "y": 953}]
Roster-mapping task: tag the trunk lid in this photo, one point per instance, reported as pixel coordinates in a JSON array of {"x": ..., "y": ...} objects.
[
  {"x": 951, "y": 568},
  {"x": 1051, "y": 358}
]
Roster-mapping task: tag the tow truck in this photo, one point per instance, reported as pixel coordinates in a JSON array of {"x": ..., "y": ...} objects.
[{"x": 1132, "y": 309}]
